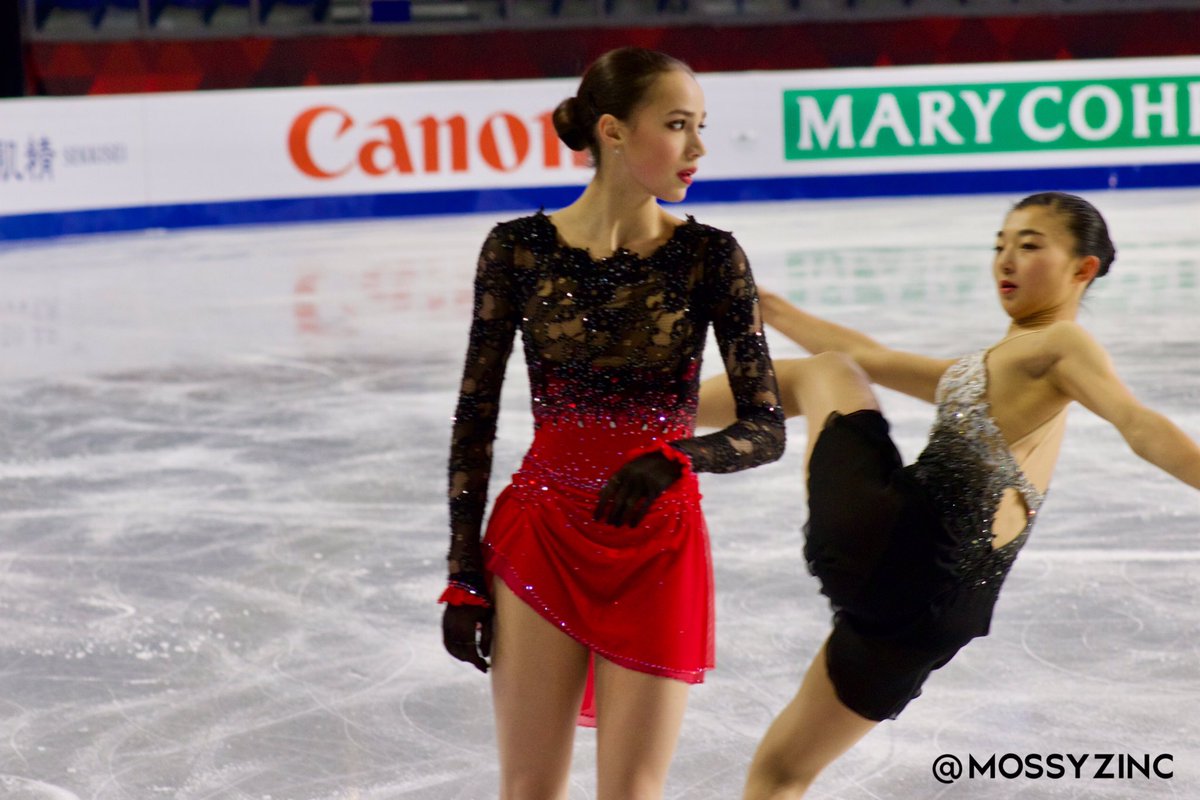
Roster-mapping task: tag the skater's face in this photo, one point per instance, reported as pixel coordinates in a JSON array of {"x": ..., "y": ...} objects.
[
  {"x": 660, "y": 144},
  {"x": 1036, "y": 268}
]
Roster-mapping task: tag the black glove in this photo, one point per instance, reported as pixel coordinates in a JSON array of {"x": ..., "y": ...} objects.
[
  {"x": 467, "y": 634},
  {"x": 467, "y": 621},
  {"x": 631, "y": 491}
]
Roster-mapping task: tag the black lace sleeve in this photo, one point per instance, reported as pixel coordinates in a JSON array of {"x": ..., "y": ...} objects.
[
  {"x": 492, "y": 329},
  {"x": 758, "y": 436}
]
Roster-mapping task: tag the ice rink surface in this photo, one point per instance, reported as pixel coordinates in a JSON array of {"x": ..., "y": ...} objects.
[{"x": 222, "y": 518}]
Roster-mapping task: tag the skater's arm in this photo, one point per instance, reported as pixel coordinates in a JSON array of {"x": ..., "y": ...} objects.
[
  {"x": 1083, "y": 371},
  {"x": 493, "y": 325},
  {"x": 912, "y": 374},
  {"x": 758, "y": 435}
]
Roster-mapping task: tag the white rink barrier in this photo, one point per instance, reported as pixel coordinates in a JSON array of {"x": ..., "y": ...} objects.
[{"x": 171, "y": 160}]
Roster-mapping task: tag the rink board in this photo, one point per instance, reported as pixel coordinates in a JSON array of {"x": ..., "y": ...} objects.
[{"x": 94, "y": 164}]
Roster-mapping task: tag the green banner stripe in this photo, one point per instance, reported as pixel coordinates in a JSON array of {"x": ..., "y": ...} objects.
[{"x": 991, "y": 117}]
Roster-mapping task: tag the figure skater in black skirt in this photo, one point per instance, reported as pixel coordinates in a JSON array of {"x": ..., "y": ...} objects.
[{"x": 912, "y": 557}]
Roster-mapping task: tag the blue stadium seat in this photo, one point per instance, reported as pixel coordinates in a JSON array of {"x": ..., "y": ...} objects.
[{"x": 391, "y": 10}]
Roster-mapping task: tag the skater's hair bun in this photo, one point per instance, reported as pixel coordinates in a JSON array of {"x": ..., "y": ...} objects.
[
  {"x": 570, "y": 125},
  {"x": 616, "y": 84},
  {"x": 1083, "y": 221}
]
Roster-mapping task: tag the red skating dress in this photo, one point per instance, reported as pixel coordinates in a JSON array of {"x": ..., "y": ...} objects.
[{"x": 613, "y": 349}]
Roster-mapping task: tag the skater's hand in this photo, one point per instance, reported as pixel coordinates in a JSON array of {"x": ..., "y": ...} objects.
[
  {"x": 467, "y": 634},
  {"x": 770, "y": 304},
  {"x": 467, "y": 623},
  {"x": 630, "y": 492}
]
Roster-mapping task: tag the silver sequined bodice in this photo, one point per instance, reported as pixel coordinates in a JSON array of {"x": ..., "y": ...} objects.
[{"x": 966, "y": 468}]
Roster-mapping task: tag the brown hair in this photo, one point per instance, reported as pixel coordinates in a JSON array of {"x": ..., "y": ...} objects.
[{"x": 615, "y": 83}]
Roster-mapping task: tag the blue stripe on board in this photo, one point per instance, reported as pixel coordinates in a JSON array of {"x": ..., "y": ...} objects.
[{"x": 258, "y": 212}]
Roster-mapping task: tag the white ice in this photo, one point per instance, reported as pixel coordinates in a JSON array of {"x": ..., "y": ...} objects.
[{"x": 222, "y": 520}]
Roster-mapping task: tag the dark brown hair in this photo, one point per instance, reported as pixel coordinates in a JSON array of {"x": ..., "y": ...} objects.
[
  {"x": 1083, "y": 221},
  {"x": 615, "y": 83}
]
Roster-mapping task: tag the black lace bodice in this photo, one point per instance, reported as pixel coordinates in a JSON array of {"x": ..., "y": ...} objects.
[{"x": 610, "y": 343}]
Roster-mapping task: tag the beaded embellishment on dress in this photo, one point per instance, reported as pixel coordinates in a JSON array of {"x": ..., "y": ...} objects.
[
  {"x": 966, "y": 469},
  {"x": 613, "y": 349}
]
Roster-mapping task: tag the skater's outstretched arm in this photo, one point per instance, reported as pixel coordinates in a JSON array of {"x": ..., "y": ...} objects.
[
  {"x": 1083, "y": 371},
  {"x": 909, "y": 373}
]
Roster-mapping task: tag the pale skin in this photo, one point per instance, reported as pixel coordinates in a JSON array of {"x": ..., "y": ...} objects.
[
  {"x": 538, "y": 672},
  {"x": 1040, "y": 281}
]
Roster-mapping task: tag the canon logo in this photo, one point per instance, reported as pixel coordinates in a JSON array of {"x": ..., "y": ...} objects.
[{"x": 326, "y": 142}]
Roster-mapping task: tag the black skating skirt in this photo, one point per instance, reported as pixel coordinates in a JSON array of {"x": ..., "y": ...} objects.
[{"x": 879, "y": 548}]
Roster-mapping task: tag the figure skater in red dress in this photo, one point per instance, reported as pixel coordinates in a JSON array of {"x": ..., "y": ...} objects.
[{"x": 597, "y": 554}]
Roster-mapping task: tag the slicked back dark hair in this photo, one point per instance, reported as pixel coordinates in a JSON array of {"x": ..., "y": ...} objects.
[
  {"x": 616, "y": 83},
  {"x": 1083, "y": 221}
]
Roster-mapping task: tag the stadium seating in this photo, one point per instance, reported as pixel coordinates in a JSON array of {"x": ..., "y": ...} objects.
[{"x": 151, "y": 11}]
